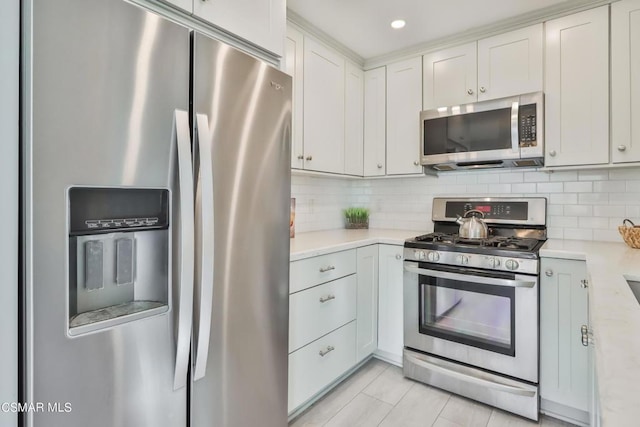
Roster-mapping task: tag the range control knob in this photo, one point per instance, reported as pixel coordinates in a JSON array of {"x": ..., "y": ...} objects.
[
  {"x": 493, "y": 262},
  {"x": 419, "y": 255},
  {"x": 512, "y": 264},
  {"x": 463, "y": 259},
  {"x": 433, "y": 256}
]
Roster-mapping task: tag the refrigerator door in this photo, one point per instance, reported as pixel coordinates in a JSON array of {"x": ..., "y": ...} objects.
[
  {"x": 247, "y": 105},
  {"x": 103, "y": 79}
]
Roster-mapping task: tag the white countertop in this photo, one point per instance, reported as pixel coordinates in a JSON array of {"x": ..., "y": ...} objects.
[
  {"x": 306, "y": 245},
  {"x": 614, "y": 317},
  {"x": 614, "y": 313}
]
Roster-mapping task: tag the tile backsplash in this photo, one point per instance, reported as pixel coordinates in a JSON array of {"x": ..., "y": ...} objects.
[{"x": 584, "y": 204}]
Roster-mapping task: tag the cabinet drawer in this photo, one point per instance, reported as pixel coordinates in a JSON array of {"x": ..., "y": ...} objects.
[
  {"x": 314, "y": 271},
  {"x": 316, "y": 365},
  {"x": 317, "y": 311}
]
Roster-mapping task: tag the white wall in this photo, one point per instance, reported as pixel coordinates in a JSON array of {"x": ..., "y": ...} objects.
[
  {"x": 9, "y": 57},
  {"x": 587, "y": 204}
]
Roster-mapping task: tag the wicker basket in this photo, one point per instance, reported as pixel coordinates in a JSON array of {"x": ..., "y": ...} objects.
[{"x": 630, "y": 233}]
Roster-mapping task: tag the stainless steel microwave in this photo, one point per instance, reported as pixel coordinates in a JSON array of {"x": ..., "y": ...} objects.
[{"x": 507, "y": 132}]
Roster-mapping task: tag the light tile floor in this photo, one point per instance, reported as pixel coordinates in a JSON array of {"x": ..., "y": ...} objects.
[{"x": 379, "y": 395}]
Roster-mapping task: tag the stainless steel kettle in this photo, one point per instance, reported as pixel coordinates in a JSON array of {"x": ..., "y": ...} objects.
[{"x": 472, "y": 227}]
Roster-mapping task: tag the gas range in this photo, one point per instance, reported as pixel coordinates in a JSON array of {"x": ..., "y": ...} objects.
[{"x": 516, "y": 232}]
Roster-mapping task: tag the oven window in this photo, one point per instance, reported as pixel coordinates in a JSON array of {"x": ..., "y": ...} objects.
[
  {"x": 469, "y": 313},
  {"x": 480, "y": 131}
]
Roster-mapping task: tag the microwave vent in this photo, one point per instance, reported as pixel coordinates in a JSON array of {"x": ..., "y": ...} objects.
[
  {"x": 527, "y": 163},
  {"x": 443, "y": 167}
]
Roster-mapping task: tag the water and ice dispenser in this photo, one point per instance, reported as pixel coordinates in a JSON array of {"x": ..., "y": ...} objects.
[{"x": 118, "y": 256}]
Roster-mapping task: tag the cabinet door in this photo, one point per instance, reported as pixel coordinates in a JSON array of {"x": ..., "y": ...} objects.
[
  {"x": 261, "y": 22},
  {"x": 564, "y": 361},
  {"x": 510, "y": 63},
  {"x": 323, "y": 108},
  {"x": 404, "y": 103},
  {"x": 375, "y": 121},
  {"x": 450, "y": 77},
  {"x": 577, "y": 89},
  {"x": 367, "y": 302},
  {"x": 390, "y": 312},
  {"x": 353, "y": 120},
  {"x": 294, "y": 66},
  {"x": 625, "y": 81}
]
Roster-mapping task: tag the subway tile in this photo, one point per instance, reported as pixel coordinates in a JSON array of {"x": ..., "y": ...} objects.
[
  {"x": 563, "y": 176},
  {"x": 562, "y": 221},
  {"x": 477, "y": 189},
  {"x": 593, "y": 198},
  {"x": 550, "y": 187},
  {"x": 607, "y": 235},
  {"x": 466, "y": 178},
  {"x": 626, "y": 174},
  {"x": 625, "y": 198},
  {"x": 593, "y": 222},
  {"x": 555, "y": 233},
  {"x": 608, "y": 210},
  {"x": 488, "y": 178},
  {"x": 564, "y": 199},
  {"x": 578, "y": 210},
  {"x": 578, "y": 233},
  {"x": 633, "y": 211},
  {"x": 633, "y": 186},
  {"x": 524, "y": 188},
  {"x": 607, "y": 186},
  {"x": 536, "y": 176},
  {"x": 593, "y": 175},
  {"x": 578, "y": 187},
  {"x": 512, "y": 177},
  {"x": 558, "y": 210}
]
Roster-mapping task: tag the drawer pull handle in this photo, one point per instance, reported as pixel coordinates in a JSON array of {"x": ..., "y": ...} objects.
[
  {"x": 327, "y": 298},
  {"x": 329, "y": 349},
  {"x": 327, "y": 268}
]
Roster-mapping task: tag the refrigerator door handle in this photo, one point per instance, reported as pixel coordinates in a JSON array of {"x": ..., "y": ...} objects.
[
  {"x": 206, "y": 237},
  {"x": 185, "y": 309}
]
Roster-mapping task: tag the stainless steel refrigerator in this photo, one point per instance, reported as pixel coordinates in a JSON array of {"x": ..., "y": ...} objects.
[{"x": 155, "y": 188}]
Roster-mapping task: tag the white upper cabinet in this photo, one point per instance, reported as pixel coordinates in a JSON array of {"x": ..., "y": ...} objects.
[
  {"x": 353, "y": 120},
  {"x": 496, "y": 67},
  {"x": 375, "y": 117},
  {"x": 511, "y": 63},
  {"x": 404, "y": 103},
  {"x": 324, "y": 75},
  {"x": 261, "y": 22},
  {"x": 625, "y": 81},
  {"x": 450, "y": 76},
  {"x": 577, "y": 89},
  {"x": 294, "y": 66}
]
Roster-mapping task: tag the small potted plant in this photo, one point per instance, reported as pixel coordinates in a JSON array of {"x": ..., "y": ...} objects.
[{"x": 356, "y": 218}]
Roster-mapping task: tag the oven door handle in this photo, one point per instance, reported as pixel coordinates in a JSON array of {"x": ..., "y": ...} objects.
[
  {"x": 471, "y": 278},
  {"x": 470, "y": 378}
]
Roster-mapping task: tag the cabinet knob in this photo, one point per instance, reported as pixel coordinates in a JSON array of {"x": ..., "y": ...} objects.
[
  {"x": 379, "y": 165},
  {"x": 552, "y": 153},
  {"x": 300, "y": 157},
  {"x": 470, "y": 91},
  {"x": 622, "y": 147},
  {"x": 309, "y": 158},
  {"x": 416, "y": 163},
  {"x": 398, "y": 256},
  {"x": 584, "y": 283},
  {"x": 483, "y": 89},
  {"x": 549, "y": 273}
]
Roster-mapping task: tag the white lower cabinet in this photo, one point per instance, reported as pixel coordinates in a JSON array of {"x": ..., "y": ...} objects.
[
  {"x": 316, "y": 365},
  {"x": 319, "y": 310},
  {"x": 565, "y": 371},
  {"x": 367, "y": 305},
  {"x": 390, "y": 313}
]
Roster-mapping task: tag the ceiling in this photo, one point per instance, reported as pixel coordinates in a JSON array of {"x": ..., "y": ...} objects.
[{"x": 363, "y": 26}]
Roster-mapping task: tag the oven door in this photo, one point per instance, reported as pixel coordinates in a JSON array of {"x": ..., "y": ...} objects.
[{"x": 481, "y": 318}]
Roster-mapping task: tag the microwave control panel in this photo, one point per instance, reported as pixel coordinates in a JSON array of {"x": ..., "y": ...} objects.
[{"x": 527, "y": 125}]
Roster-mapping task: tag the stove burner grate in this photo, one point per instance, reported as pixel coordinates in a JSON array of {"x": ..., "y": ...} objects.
[{"x": 514, "y": 243}]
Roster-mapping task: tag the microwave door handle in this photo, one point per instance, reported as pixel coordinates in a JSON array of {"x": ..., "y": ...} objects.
[
  {"x": 471, "y": 278},
  {"x": 186, "y": 249},
  {"x": 205, "y": 220},
  {"x": 515, "y": 138}
]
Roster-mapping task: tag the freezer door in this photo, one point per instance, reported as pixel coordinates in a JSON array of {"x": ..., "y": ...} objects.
[
  {"x": 246, "y": 105},
  {"x": 103, "y": 80}
]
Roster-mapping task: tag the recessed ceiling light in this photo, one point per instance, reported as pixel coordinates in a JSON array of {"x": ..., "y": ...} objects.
[{"x": 398, "y": 23}]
